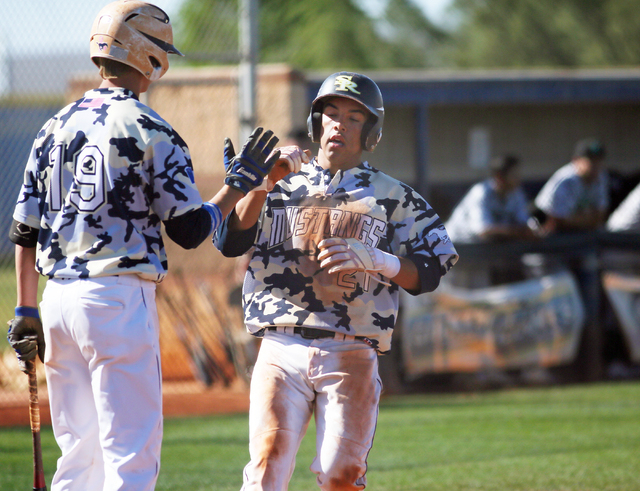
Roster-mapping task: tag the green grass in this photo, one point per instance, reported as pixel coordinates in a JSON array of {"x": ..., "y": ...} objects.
[{"x": 584, "y": 438}]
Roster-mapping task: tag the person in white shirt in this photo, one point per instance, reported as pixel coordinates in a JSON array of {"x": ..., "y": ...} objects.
[
  {"x": 626, "y": 217},
  {"x": 493, "y": 209},
  {"x": 576, "y": 197}
]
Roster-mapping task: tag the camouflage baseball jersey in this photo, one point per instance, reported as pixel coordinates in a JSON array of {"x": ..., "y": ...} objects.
[
  {"x": 284, "y": 284},
  {"x": 102, "y": 174}
]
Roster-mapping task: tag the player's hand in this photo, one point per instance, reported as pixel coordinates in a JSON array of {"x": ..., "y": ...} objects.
[
  {"x": 291, "y": 160},
  {"x": 247, "y": 169},
  {"x": 339, "y": 254},
  {"x": 26, "y": 337}
]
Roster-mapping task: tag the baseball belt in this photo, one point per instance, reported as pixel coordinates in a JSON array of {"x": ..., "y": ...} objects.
[{"x": 312, "y": 333}]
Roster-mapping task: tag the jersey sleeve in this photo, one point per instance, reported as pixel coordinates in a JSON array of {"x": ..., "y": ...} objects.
[
  {"x": 27, "y": 210},
  {"x": 557, "y": 197},
  {"x": 420, "y": 235},
  {"x": 173, "y": 182},
  {"x": 232, "y": 243}
]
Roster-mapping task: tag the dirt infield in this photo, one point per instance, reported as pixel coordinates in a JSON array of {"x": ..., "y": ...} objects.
[{"x": 189, "y": 399}]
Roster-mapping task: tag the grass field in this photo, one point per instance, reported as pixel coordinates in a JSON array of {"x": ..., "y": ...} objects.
[{"x": 582, "y": 438}]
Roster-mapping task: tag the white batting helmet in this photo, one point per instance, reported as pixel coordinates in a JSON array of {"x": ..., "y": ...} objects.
[{"x": 135, "y": 33}]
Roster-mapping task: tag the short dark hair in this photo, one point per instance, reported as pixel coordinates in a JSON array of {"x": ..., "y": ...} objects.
[
  {"x": 503, "y": 164},
  {"x": 111, "y": 68},
  {"x": 590, "y": 148}
]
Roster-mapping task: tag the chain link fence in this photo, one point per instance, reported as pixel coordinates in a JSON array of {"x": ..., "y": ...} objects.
[{"x": 42, "y": 46}]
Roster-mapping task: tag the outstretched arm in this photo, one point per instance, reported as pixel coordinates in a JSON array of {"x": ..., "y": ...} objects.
[
  {"x": 247, "y": 211},
  {"x": 244, "y": 172}
]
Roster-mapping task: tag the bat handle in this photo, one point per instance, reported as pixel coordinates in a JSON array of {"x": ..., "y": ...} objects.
[{"x": 34, "y": 418}]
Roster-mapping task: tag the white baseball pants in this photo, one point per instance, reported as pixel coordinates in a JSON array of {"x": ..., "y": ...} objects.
[
  {"x": 292, "y": 378},
  {"x": 102, "y": 366}
]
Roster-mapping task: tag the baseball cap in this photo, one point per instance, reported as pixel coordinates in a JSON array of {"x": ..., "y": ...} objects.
[
  {"x": 590, "y": 148},
  {"x": 503, "y": 164}
]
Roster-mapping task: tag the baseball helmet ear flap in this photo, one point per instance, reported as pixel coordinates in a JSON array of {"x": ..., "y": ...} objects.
[
  {"x": 359, "y": 88},
  {"x": 314, "y": 121},
  {"x": 371, "y": 134}
]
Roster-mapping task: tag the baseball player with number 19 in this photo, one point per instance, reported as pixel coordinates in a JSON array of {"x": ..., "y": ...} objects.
[
  {"x": 103, "y": 174},
  {"x": 334, "y": 242}
]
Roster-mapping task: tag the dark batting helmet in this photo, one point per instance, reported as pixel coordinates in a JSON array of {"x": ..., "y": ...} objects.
[{"x": 352, "y": 86}]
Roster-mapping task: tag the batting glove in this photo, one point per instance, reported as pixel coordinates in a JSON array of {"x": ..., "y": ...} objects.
[
  {"x": 339, "y": 254},
  {"x": 26, "y": 336},
  {"x": 248, "y": 169},
  {"x": 228, "y": 154}
]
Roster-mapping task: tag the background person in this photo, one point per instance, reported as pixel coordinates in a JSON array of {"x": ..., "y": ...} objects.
[
  {"x": 334, "y": 242},
  {"x": 626, "y": 217},
  {"x": 576, "y": 197},
  {"x": 102, "y": 175},
  {"x": 493, "y": 209}
]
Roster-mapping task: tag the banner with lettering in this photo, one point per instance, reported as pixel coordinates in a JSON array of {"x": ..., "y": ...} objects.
[
  {"x": 533, "y": 322},
  {"x": 623, "y": 291}
]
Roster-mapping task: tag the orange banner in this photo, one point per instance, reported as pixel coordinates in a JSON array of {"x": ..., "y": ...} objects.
[{"x": 524, "y": 324}]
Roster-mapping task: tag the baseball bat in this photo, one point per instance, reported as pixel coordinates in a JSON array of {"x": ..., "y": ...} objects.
[{"x": 34, "y": 420}]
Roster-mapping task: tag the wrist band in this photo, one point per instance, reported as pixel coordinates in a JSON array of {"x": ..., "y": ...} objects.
[
  {"x": 27, "y": 312},
  {"x": 391, "y": 265},
  {"x": 216, "y": 214}
]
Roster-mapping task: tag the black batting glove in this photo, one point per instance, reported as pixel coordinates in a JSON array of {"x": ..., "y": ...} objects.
[
  {"x": 229, "y": 153},
  {"x": 248, "y": 169},
  {"x": 26, "y": 336}
]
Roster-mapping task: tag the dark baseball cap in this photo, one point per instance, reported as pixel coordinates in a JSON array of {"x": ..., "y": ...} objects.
[
  {"x": 503, "y": 164},
  {"x": 590, "y": 148}
]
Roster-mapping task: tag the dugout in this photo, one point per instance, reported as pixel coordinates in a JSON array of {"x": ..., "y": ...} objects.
[{"x": 441, "y": 130}]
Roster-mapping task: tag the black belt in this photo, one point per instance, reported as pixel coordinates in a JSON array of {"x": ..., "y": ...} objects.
[{"x": 313, "y": 333}]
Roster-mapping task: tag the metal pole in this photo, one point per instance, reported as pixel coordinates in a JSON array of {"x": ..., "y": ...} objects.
[
  {"x": 422, "y": 150},
  {"x": 247, "y": 68}
]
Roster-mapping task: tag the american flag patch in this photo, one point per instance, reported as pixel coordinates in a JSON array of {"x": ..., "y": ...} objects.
[{"x": 88, "y": 103}]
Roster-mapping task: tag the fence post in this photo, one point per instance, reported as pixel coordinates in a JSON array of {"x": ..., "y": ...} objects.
[{"x": 590, "y": 363}]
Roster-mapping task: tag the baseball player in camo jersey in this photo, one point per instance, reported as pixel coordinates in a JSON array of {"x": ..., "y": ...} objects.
[
  {"x": 103, "y": 174},
  {"x": 334, "y": 242}
]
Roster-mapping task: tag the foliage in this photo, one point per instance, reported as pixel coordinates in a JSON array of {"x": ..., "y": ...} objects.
[
  {"x": 487, "y": 33},
  {"x": 529, "y": 33},
  {"x": 313, "y": 35},
  {"x": 208, "y": 30}
]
